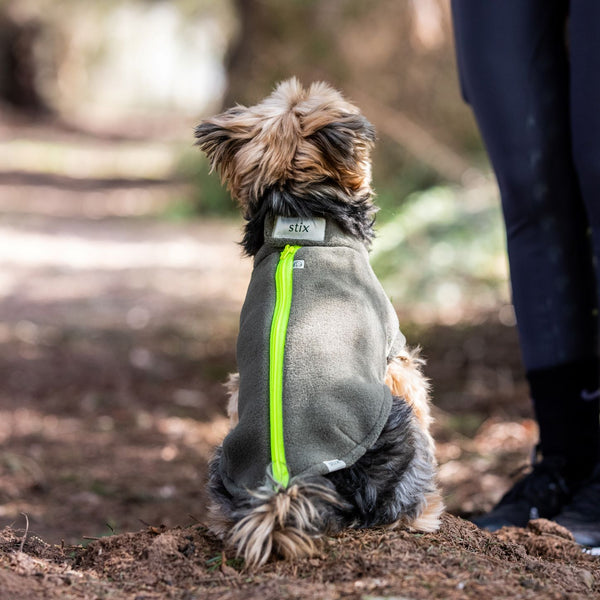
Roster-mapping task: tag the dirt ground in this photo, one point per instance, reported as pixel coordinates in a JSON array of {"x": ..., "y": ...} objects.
[{"x": 116, "y": 330}]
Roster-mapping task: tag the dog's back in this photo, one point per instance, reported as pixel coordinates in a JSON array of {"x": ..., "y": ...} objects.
[{"x": 339, "y": 333}]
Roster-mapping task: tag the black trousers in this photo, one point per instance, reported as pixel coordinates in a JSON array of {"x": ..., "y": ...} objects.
[{"x": 531, "y": 71}]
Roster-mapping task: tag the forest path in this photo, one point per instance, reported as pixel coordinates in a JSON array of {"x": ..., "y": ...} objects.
[{"x": 118, "y": 325}]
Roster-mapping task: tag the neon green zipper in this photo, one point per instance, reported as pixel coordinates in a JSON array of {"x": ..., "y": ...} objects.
[{"x": 283, "y": 302}]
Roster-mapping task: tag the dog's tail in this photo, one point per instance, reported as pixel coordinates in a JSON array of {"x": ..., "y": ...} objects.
[{"x": 286, "y": 521}]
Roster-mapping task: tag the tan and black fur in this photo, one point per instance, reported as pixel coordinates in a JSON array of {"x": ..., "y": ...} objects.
[{"x": 306, "y": 153}]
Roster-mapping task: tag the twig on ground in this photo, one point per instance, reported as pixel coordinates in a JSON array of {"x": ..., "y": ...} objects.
[{"x": 25, "y": 534}]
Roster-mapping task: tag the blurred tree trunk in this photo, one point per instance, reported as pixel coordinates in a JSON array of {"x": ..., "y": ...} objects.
[
  {"x": 238, "y": 63},
  {"x": 18, "y": 66},
  {"x": 277, "y": 40}
]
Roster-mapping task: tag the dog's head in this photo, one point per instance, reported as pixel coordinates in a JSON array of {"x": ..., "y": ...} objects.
[{"x": 300, "y": 152}]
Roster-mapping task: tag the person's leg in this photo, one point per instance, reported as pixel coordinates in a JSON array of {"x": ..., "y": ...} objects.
[
  {"x": 582, "y": 515},
  {"x": 584, "y": 44},
  {"x": 514, "y": 72}
]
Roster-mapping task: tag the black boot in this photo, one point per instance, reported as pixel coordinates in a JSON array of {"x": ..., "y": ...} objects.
[
  {"x": 566, "y": 402},
  {"x": 542, "y": 493},
  {"x": 581, "y": 516}
]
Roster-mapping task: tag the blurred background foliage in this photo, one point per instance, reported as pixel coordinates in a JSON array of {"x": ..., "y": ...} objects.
[{"x": 138, "y": 74}]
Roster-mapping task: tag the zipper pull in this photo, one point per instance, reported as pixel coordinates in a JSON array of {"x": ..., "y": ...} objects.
[{"x": 287, "y": 251}]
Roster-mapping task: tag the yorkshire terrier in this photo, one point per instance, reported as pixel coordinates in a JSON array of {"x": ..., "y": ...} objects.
[{"x": 330, "y": 413}]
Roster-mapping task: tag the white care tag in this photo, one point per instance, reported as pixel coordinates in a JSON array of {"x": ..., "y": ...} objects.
[
  {"x": 296, "y": 228},
  {"x": 334, "y": 465}
]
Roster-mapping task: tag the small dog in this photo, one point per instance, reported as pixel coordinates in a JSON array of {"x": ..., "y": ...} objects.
[{"x": 330, "y": 414}]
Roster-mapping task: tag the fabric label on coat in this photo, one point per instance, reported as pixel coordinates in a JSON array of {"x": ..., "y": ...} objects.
[
  {"x": 297, "y": 228},
  {"x": 334, "y": 465}
]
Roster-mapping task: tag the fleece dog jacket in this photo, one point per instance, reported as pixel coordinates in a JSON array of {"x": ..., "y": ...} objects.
[{"x": 339, "y": 335}]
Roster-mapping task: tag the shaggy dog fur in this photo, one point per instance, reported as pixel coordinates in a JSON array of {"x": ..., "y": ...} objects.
[{"x": 306, "y": 153}]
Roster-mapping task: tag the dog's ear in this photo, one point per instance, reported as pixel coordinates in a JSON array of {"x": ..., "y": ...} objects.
[
  {"x": 345, "y": 143},
  {"x": 222, "y": 137}
]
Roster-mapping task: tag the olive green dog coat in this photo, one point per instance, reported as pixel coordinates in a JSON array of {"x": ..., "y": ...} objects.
[{"x": 315, "y": 338}]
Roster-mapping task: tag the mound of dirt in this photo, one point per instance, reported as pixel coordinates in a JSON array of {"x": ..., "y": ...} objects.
[{"x": 459, "y": 561}]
